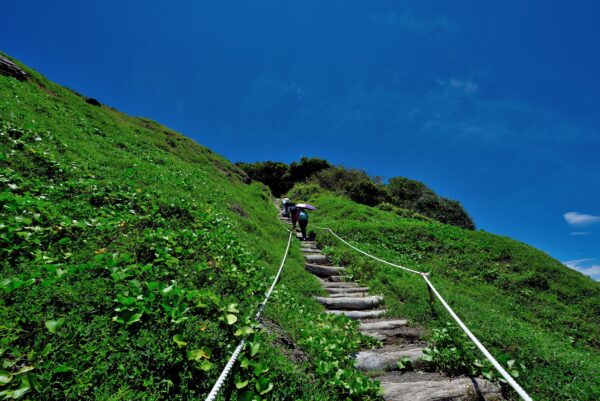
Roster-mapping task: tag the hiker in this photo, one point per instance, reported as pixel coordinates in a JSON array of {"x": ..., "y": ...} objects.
[
  {"x": 303, "y": 221},
  {"x": 285, "y": 204},
  {"x": 294, "y": 211}
]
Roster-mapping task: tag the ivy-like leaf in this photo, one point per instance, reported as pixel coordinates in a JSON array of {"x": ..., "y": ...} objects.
[
  {"x": 243, "y": 331},
  {"x": 5, "y": 377},
  {"x": 54, "y": 325},
  {"x": 263, "y": 386},
  {"x": 178, "y": 339},
  {"x": 254, "y": 347},
  {"x": 231, "y": 319},
  {"x": 239, "y": 384},
  {"x": 198, "y": 354}
]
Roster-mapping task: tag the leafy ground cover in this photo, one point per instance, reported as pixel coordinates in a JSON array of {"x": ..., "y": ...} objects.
[
  {"x": 538, "y": 317},
  {"x": 132, "y": 260}
]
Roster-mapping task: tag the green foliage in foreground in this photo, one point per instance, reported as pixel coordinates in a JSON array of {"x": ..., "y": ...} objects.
[
  {"x": 133, "y": 259},
  {"x": 526, "y": 307}
]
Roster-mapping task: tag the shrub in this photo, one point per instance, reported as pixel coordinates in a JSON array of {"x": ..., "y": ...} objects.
[
  {"x": 306, "y": 168},
  {"x": 366, "y": 192},
  {"x": 304, "y": 191},
  {"x": 415, "y": 195},
  {"x": 272, "y": 174},
  {"x": 337, "y": 178}
]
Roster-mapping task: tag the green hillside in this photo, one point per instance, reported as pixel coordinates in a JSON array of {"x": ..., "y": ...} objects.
[
  {"x": 133, "y": 260},
  {"x": 523, "y": 304}
]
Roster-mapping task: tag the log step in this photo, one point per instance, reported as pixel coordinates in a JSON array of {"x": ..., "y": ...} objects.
[
  {"x": 383, "y": 325},
  {"x": 333, "y": 290},
  {"x": 352, "y": 294},
  {"x": 323, "y": 271},
  {"x": 336, "y": 279},
  {"x": 359, "y": 314},
  {"x": 316, "y": 259},
  {"x": 383, "y": 359},
  {"x": 337, "y": 284},
  {"x": 350, "y": 303},
  {"x": 459, "y": 389},
  {"x": 311, "y": 250}
]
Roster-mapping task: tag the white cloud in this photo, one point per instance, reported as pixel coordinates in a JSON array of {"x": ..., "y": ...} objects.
[
  {"x": 575, "y": 263},
  {"x": 592, "y": 271},
  {"x": 411, "y": 22},
  {"x": 580, "y": 219},
  {"x": 466, "y": 85}
]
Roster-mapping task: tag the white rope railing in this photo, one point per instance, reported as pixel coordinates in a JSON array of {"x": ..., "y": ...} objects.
[
  {"x": 221, "y": 380},
  {"x": 519, "y": 390}
]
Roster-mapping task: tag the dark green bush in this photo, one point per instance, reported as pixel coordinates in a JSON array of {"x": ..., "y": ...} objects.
[
  {"x": 415, "y": 195},
  {"x": 366, "y": 192},
  {"x": 273, "y": 174}
]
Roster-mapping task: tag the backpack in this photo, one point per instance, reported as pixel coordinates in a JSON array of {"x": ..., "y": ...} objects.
[{"x": 303, "y": 216}]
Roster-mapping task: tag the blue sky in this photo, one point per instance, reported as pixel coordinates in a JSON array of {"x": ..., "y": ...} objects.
[{"x": 494, "y": 104}]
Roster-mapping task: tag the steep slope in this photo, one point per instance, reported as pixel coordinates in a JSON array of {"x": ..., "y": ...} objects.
[
  {"x": 132, "y": 259},
  {"x": 524, "y": 305}
]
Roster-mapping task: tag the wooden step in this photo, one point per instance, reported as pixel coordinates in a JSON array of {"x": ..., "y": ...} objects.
[
  {"x": 318, "y": 259},
  {"x": 337, "y": 284},
  {"x": 353, "y": 294},
  {"x": 322, "y": 270},
  {"x": 310, "y": 250},
  {"x": 387, "y": 358},
  {"x": 343, "y": 290},
  {"x": 359, "y": 314},
  {"x": 383, "y": 324},
  {"x": 402, "y": 335},
  {"x": 350, "y": 303},
  {"x": 457, "y": 389}
]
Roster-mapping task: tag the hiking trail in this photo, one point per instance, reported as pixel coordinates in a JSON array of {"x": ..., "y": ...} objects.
[{"x": 399, "y": 341}]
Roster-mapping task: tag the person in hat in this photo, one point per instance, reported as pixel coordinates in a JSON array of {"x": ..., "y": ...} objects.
[{"x": 285, "y": 204}]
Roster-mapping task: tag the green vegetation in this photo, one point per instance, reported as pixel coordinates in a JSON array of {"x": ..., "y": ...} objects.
[
  {"x": 399, "y": 192},
  {"x": 538, "y": 317},
  {"x": 133, "y": 260},
  {"x": 280, "y": 177}
]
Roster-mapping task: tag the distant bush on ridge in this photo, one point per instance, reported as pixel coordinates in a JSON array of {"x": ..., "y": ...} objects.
[{"x": 357, "y": 185}]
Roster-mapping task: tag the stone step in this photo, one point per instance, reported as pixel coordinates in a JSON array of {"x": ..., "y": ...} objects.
[
  {"x": 386, "y": 358},
  {"x": 336, "y": 279},
  {"x": 359, "y": 314},
  {"x": 383, "y": 324},
  {"x": 457, "y": 389},
  {"x": 322, "y": 270},
  {"x": 350, "y": 303},
  {"x": 333, "y": 290},
  {"x": 311, "y": 250},
  {"x": 318, "y": 259}
]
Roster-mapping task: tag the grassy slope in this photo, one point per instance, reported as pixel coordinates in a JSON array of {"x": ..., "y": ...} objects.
[
  {"x": 520, "y": 302},
  {"x": 101, "y": 211}
]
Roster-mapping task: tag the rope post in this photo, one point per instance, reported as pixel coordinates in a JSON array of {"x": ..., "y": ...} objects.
[{"x": 431, "y": 295}]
